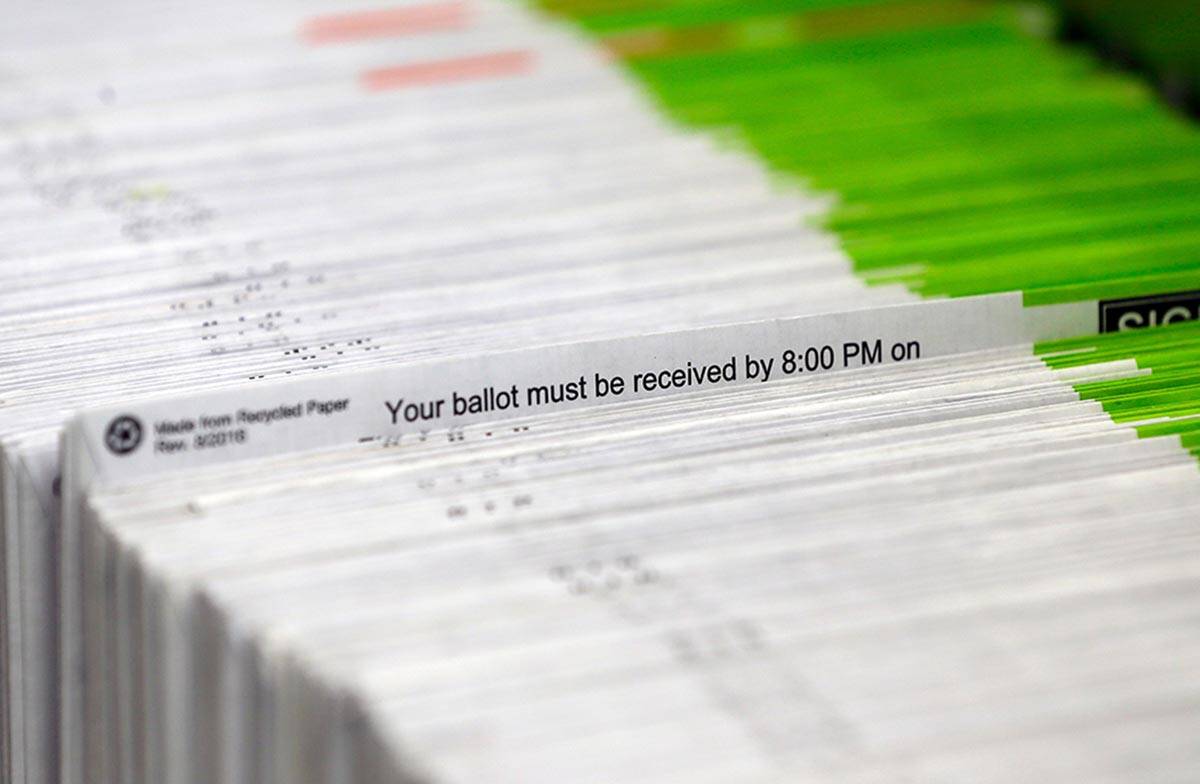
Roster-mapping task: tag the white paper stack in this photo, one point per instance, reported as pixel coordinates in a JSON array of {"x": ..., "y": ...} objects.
[
  {"x": 204, "y": 196},
  {"x": 951, "y": 570},
  {"x": 259, "y": 246}
]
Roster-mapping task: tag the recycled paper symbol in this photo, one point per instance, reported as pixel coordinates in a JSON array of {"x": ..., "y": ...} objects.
[{"x": 123, "y": 435}]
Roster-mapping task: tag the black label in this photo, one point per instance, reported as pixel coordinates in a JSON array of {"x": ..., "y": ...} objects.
[{"x": 1120, "y": 315}]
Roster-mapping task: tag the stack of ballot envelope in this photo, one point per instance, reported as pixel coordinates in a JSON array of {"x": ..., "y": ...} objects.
[{"x": 477, "y": 391}]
